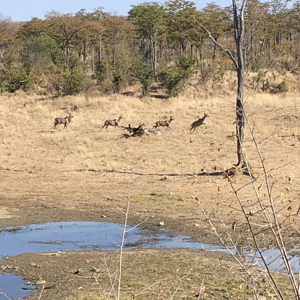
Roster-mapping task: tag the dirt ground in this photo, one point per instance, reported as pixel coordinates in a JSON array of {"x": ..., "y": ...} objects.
[
  {"x": 91, "y": 174},
  {"x": 146, "y": 274}
]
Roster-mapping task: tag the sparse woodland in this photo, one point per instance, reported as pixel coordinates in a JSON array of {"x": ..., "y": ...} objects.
[{"x": 162, "y": 45}]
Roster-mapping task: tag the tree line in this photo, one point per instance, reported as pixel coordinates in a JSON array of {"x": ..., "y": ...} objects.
[{"x": 164, "y": 43}]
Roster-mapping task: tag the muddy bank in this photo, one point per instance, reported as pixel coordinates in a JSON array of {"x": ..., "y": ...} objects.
[{"x": 146, "y": 273}]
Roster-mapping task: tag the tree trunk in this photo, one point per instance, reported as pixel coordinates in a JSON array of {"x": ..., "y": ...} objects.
[
  {"x": 201, "y": 60},
  {"x": 240, "y": 114},
  {"x": 154, "y": 52},
  {"x": 240, "y": 118},
  {"x": 93, "y": 57},
  {"x": 214, "y": 52},
  {"x": 100, "y": 48},
  {"x": 240, "y": 69},
  {"x": 84, "y": 55},
  {"x": 67, "y": 55}
]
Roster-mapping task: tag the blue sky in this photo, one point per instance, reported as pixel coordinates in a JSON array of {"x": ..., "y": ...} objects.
[{"x": 24, "y": 10}]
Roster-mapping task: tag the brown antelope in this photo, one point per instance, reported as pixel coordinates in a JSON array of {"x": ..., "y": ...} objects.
[
  {"x": 198, "y": 123},
  {"x": 64, "y": 121},
  {"x": 163, "y": 123},
  {"x": 114, "y": 122}
]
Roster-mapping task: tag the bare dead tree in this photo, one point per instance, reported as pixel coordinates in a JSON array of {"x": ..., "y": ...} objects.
[
  {"x": 265, "y": 221},
  {"x": 198, "y": 123},
  {"x": 238, "y": 22}
]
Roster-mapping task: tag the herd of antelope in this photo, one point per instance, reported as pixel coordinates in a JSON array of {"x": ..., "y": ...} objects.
[{"x": 115, "y": 123}]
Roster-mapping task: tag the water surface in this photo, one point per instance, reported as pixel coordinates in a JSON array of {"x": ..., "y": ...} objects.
[
  {"x": 67, "y": 236},
  {"x": 14, "y": 287}
]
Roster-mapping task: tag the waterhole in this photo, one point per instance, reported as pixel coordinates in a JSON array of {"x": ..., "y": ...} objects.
[
  {"x": 67, "y": 236},
  {"x": 14, "y": 287}
]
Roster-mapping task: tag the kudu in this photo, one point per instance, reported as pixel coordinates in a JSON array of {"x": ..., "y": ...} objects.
[
  {"x": 163, "y": 123},
  {"x": 65, "y": 121},
  {"x": 198, "y": 123},
  {"x": 114, "y": 122}
]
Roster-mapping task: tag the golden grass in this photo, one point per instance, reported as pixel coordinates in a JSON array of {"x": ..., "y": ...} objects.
[
  {"x": 32, "y": 126},
  {"x": 103, "y": 163}
]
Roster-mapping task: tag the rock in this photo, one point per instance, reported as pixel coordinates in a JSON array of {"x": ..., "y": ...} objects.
[
  {"x": 161, "y": 224},
  {"x": 41, "y": 282}
]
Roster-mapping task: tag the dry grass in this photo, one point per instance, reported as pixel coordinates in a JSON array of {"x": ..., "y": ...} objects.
[{"x": 87, "y": 164}]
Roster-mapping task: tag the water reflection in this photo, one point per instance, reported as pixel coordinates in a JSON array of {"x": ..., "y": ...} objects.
[
  {"x": 13, "y": 287},
  {"x": 66, "y": 236}
]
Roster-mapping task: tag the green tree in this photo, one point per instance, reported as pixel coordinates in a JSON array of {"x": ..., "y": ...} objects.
[
  {"x": 73, "y": 81},
  {"x": 180, "y": 22},
  {"x": 174, "y": 78},
  {"x": 117, "y": 30},
  {"x": 117, "y": 81},
  {"x": 144, "y": 74},
  {"x": 38, "y": 52},
  {"x": 16, "y": 79},
  {"x": 101, "y": 70},
  {"x": 256, "y": 37},
  {"x": 148, "y": 17},
  {"x": 65, "y": 30},
  {"x": 216, "y": 20}
]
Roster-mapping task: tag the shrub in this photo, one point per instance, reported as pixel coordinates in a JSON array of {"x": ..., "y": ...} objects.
[
  {"x": 174, "y": 78},
  {"x": 117, "y": 80},
  {"x": 279, "y": 88},
  {"x": 16, "y": 79},
  {"x": 275, "y": 88},
  {"x": 39, "y": 53},
  {"x": 144, "y": 74},
  {"x": 101, "y": 70},
  {"x": 73, "y": 82}
]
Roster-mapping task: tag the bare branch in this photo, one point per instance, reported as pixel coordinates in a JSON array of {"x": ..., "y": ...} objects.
[{"x": 218, "y": 44}]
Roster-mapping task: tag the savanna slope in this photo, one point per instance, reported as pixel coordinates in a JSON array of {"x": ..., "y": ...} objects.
[{"x": 88, "y": 173}]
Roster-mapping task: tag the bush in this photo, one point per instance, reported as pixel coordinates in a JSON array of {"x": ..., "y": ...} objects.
[
  {"x": 101, "y": 70},
  {"x": 279, "y": 88},
  {"x": 174, "y": 79},
  {"x": 40, "y": 52},
  {"x": 16, "y": 79},
  {"x": 144, "y": 74},
  {"x": 73, "y": 82},
  {"x": 117, "y": 80},
  {"x": 275, "y": 88}
]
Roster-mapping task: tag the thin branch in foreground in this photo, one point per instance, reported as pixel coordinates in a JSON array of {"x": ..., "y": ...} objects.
[
  {"x": 218, "y": 44},
  {"x": 2, "y": 293}
]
